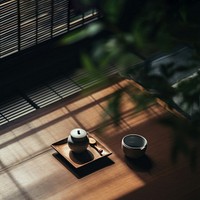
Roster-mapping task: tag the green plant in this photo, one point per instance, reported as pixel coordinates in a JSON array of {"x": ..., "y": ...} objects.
[{"x": 138, "y": 29}]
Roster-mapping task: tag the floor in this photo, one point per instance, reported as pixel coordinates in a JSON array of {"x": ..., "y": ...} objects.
[
  {"x": 48, "y": 92},
  {"x": 31, "y": 169}
]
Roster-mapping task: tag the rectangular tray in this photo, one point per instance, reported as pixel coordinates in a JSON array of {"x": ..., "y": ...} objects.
[{"x": 82, "y": 159}]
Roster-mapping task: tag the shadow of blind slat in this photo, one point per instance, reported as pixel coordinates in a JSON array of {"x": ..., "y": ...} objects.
[{"x": 47, "y": 94}]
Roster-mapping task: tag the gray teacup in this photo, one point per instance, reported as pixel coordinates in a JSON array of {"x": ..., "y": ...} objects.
[{"x": 134, "y": 145}]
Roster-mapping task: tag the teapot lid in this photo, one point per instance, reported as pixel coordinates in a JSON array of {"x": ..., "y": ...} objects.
[{"x": 78, "y": 133}]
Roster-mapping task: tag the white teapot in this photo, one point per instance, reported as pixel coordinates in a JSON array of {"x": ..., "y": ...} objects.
[{"x": 78, "y": 140}]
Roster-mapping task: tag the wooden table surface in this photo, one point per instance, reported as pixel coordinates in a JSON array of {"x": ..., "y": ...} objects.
[{"x": 31, "y": 169}]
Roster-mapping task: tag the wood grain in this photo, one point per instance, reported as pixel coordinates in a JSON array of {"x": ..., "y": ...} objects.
[{"x": 31, "y": 169}]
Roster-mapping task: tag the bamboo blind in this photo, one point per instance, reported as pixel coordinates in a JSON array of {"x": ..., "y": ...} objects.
[{"x": 25, "y": 23}]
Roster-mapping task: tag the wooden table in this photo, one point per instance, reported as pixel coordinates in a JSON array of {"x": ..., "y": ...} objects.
[{"x": 31, "y": 169}]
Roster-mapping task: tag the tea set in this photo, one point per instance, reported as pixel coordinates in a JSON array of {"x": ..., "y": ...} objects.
[
  {"x": 133, "y": 145},
  {"x": 78, "y": 141}
]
